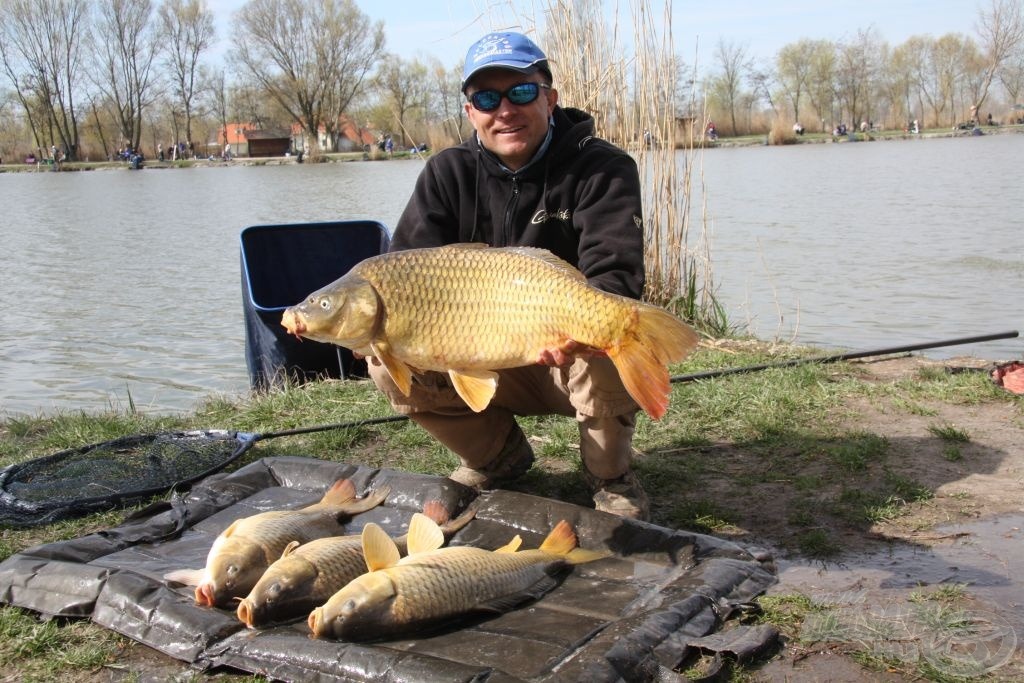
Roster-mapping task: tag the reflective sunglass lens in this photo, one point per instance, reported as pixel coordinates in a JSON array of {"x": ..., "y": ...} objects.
[
  {"x": 486, "y": 100},
  {"x": 489, "y": 100}
]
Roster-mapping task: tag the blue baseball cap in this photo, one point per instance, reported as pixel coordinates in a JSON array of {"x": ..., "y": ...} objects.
[{"x": 504, "y": 50}]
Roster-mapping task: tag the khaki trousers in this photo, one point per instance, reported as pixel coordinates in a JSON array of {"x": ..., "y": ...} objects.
[{"x": 589, "y": 390}]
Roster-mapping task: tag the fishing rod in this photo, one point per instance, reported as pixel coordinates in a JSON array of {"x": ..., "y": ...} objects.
[{"x": 708, "y": 374}]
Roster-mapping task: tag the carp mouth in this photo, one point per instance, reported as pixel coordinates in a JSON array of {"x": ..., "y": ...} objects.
[{"x": 293, "y": 323}]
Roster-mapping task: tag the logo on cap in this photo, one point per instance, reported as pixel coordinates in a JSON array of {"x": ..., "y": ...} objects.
[{"x": 492, "y": 45}]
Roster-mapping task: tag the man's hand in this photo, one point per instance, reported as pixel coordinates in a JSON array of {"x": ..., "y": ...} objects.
[{"x": 567, "y": 353}]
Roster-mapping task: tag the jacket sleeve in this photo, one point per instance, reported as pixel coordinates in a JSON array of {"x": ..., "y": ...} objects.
[{"x": 609, "y": 221}]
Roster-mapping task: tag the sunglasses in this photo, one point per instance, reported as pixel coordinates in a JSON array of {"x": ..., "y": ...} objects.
[{"x": 521, "y": 93}]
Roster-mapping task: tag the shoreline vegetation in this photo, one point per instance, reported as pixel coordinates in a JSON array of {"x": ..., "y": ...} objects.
[{"x": 757, "y": 140}]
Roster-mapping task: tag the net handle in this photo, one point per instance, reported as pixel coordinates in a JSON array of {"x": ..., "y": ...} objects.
[{"x": 321, "y": 428}]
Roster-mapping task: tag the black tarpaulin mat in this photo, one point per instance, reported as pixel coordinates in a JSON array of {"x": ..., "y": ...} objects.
[{"x": 626, "y": 617}]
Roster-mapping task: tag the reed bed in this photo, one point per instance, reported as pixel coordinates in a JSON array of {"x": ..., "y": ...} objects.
[{"x": 630, "y": 82}]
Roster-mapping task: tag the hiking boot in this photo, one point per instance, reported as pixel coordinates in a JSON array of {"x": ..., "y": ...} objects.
[
  {"x": 623, "y": 496},
  {"x": 515, "y": 458}
]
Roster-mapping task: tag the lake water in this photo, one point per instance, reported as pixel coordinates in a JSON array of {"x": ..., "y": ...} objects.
[{"x": 123, "y": 286}]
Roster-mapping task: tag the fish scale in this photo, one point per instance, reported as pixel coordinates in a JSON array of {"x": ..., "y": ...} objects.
[
  {"x": 242, "y": 552},
  {"x": 469, "y": 309},
  {"x": 463, "y": 578},
  {"x": 430, "y": 587},
  {"x": 498, "y": 302}
]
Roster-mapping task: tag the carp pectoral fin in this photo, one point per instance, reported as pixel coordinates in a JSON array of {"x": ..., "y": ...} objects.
[
  {"x": 475, "y": 387},
  {"x": 400, "y": 373},
  {"x": 424, "y": 534},
  {"x": 379, "y": 550},
  {"x": 188, "y": 577},
  {"x": 511, "y": 546}
]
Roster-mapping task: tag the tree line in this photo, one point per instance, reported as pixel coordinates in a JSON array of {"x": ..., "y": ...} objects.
[
  {"x": 92, "y": 76},
  {"x": 940, "y": 81}
]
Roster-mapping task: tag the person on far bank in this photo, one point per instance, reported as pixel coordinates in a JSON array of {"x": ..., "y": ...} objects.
[{"x": 533, "y": 175}]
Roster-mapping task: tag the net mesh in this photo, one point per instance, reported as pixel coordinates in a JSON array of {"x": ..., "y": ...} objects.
[{"x": 82, "y": 480}]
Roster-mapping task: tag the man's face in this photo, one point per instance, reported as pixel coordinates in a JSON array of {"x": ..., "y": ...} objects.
[{"x": 512, "y": 132}]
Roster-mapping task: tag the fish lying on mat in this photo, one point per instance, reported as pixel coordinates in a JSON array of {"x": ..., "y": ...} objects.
[
  {"x": 307, "y": 575},
  {"x": 431, "y": 587},
  {"x": 243, "y": 551},
  {"x": 467, "y": 309}
]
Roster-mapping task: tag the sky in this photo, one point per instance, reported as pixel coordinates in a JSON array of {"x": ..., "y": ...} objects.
[{"x": 445, "y": 28}]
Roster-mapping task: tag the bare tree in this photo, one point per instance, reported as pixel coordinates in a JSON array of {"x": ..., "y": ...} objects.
[
  {"x": 762, "y": 81},
  {"x": 946, "y": 76},
  {"x": 793, "y": 66},
  {"x": 903, "y": 76},
  {"x": 1011, "y": 75},
  {"x": 311, "y": 57},
  {"x": 446, "y": 103},
  {"x": 125, "y": 58},
  {"x": 1001, "y": 30},
  {"x": 42, "y": 52},
  {"x": 857, "y": 68},
  {"x": 186, "y": 30},
  {"x": 821, "y": 80},
  {"x": 726, "y": 86},
  {"x": 405, "y": 88}
]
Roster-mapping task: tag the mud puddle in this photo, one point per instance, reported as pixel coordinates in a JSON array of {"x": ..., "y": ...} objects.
[{"x": 953, "y": 603}]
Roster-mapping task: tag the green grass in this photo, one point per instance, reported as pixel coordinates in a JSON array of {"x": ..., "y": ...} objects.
[
  {"x": 726, "y": 448},
  {"x": 950, "y": 433}
]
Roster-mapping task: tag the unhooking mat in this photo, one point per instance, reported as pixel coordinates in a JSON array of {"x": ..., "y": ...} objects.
[{"x": 661, "y": 596}]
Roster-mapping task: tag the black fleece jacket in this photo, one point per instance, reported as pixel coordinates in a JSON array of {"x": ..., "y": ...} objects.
[{"x": 581, "y": 200}]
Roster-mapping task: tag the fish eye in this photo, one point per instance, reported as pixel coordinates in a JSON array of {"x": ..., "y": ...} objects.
[
  {"x": 349, "y": 606},
  {"x": 232, "y": 569},
  {"x": 325, "y": 304},
  {"x": 274, "y": 589}
]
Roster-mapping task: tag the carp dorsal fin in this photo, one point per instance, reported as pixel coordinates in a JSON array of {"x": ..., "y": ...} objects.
[
  {"x": 561, "y": 264},
  {"x": 424, "y": 534},
  {"x": 231, "y": 528},
  {"x": 288, "y": 549},
  {"x": 511, "y": 546},
  {"x": 379, "y": 551},
  {"x": 475, "y": 387},
  {"x": 467, "y": 245},
  {"x": 400, "y": 373},
  {"x": 561, "y": 540}
]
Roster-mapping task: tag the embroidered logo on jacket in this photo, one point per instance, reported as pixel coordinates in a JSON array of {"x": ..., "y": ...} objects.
[{"x": 544, "y": 216}]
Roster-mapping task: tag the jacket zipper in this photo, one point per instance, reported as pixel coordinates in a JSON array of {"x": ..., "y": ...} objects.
[{"x": 510, "y": 208}]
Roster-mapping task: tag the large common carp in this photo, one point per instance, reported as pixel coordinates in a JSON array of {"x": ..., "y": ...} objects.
[
  {"x": 307, "y": 574},
  {"x": 428, "y": 588},
  {"x": 243, "y": 551},
  {"x": 467, "y": 309}
]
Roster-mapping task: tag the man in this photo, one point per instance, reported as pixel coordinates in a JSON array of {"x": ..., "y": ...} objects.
[{"x": 532, "y": 175}]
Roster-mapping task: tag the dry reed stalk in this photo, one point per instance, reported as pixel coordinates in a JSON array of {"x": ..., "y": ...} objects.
[{"x": 633, "y": 91}]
